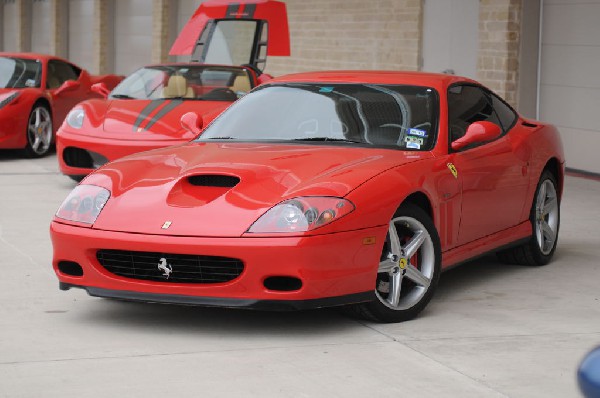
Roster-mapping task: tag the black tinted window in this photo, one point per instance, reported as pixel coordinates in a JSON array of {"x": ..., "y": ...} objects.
[
  {"x": 59, "y": 72},
  {"x": 506, "y": 115},
  {"x": 466, "y": 105}
]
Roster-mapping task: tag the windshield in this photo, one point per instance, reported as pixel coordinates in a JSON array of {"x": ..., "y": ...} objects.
[
  {"x": 20, "y": 73},
  {"x": 396, "y": 116},
  {"x": 188, "y": 82}
]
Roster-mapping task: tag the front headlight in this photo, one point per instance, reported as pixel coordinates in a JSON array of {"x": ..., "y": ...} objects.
[
  {"x": 302, "y": 214},
  {"x": 75, "y": 118},
  {"x": 83, "y": 204}
]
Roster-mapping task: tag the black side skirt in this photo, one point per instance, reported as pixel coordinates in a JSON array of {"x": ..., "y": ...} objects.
[{"x": 265, "y": 305}]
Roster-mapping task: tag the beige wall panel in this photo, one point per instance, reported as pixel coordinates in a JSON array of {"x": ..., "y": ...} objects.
[
  {"x": 133, "y": 35},
  {"x": 40, "y": 26},
  {"x": 351, "y": 34},
  {"x": 570, "y": 85},
  {"x": 9, "y": 27},
  {"x": 81, "y": 40}
]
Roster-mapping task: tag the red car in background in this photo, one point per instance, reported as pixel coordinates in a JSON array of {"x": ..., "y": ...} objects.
[
  {"x": 144, "y": 111},
  {"x": 228, "y": 44},
  {"x": 320, "y": 189},
  {"x": 36, "y": 93}
]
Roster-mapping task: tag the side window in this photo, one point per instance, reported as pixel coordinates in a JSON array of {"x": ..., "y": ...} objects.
[
  {"x": 506, "y": 115},
  {"x": 59, "y": 72},
  {"x": 468, "y": 104}
]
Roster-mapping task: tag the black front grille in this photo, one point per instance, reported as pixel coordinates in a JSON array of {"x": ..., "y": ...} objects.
[{"x": 173, "y": 268}]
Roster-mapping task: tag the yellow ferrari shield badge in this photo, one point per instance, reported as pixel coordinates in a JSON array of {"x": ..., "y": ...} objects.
[
  {"x": 403, "y": 263},
  {"x": 453, "y": 170}
]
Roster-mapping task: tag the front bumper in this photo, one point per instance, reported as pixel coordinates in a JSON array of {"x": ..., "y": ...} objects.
[
  {"x": 335, "y": 269},
  {"x": 107, "y": 148}
]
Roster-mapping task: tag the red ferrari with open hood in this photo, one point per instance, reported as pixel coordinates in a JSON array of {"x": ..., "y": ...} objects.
[
  {"x": 355, "y": 188},
  {"x": 228, "y": 43}
]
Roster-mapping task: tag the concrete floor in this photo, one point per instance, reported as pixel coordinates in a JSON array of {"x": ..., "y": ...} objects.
[{"x": 491, "y": 330}]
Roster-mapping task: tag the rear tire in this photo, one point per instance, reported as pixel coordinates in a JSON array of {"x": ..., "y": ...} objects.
[
  {"x": 545, "y": 221},
  {"x": 39, "y": 131},
  {"x": 409, "y": 268}
]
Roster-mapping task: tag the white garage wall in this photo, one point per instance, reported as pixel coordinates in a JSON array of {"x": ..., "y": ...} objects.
[
  {"x": 185, "y": 10},
  {"x": 570, "y": 77},
  {"x": 451, "y": 36},
  {"x": 40, "y": 26},
  {"x": 80, "y": 38},
  {"x": 133, "y": 35},
  {"x": 9, "y": 27}
]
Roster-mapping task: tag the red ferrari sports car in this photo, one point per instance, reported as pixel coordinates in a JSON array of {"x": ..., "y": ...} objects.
[
  {"x": 355, "y": 188},
  {"x": 36, "y": 93},
  {"x": 143, "y": 112}
]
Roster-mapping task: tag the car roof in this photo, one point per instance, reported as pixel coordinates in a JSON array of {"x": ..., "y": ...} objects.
[
  {"x": 32, "y": 56},
  {"x": 435, "y": 80}
]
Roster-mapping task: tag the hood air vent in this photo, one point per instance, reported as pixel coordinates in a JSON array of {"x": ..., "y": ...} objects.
[{"x": 210, "y": 180}]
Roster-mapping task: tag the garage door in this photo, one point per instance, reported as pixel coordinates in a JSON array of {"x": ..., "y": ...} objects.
[
  {"x": 133, "y": 35},
  {"x": 9, "y": 26},
  {"x": 81, "y": 38},
  {"x": 40, "y": 26},
  {"x": 570, "y": 78}
]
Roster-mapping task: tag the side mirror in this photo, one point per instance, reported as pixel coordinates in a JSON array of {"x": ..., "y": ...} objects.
[
  {"x": 588, "y": 374},
  {"x": 478, "y": 132},
  {"x": 192, "y": 123},
  {"x": 101, "y": 89},
  {"x": 69, "y": 85}
]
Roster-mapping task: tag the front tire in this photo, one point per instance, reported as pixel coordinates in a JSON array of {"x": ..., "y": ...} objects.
[
  {"x": 39, "y": 131},
  {"x": 545, "y": 221},
  {"x": 409, "y": 268}
]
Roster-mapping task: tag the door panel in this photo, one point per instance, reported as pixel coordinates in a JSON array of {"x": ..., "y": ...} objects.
[{"x": 494, "y": 188}]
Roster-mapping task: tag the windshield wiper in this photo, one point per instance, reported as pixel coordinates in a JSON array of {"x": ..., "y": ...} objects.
[
  {"x": 221, "y": 138},
  {"x": 324, "y": 139},
  {"x": 121, "y": 96}
]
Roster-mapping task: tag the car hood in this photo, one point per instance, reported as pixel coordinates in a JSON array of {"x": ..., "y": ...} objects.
[
  {"x": 153, "y": 120},
  {"x": 220, "y": 189}
]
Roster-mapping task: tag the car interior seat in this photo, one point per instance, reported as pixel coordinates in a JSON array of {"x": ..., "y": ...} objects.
[
  {"x": 177, "y": 88},
  {"x": 241, "y": 84}
]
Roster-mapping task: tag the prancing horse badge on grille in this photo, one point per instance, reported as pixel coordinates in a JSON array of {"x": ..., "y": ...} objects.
[{"x": 165, "y": 267}]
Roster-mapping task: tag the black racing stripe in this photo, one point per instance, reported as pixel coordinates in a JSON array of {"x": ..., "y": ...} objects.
[
  {"x": 168, "y": 108},
  {"x": 232, "y": 10},
  {"x": 146, "y": 111},
  {"x": 249, "y": 11}
]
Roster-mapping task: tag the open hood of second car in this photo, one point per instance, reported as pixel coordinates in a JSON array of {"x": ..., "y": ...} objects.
[
  {"x": 220, "y": 189},
  {"x": 217, "y": 22}
]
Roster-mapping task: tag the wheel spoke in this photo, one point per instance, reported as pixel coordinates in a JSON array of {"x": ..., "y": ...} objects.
[
  {"x": 548, "y": 232},
  {"x": 414, "y": 243},
  {"x": 387, "y": 266},
  {"x": 550, "y": 205},
  {"x": 394, "y": 239},
  {"x": 37, "y": 117},
  {"x": 36, "y": 143},
  {"x": 395, "y": 287},
  {"x": 541, "y": 196},
  {"x": 417, "y": 276}
]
